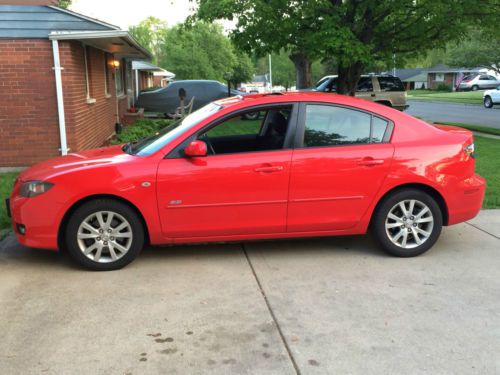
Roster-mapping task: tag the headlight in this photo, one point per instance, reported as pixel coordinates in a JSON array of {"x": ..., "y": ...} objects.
[{"x": 33, "y": 188}]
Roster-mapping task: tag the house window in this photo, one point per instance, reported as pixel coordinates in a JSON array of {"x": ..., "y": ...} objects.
[
  {"x": 106, "y": 75},
  {"x": 119, "y": 80},
  {"x": 439, "y": 77}
]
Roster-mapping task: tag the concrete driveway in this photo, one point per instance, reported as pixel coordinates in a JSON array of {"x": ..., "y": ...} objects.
[
  {"x": 455, "y": 112},
  {"x": 321, "y": 306}
]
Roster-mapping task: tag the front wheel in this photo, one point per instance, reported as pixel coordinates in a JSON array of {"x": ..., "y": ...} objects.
[
  {"x": 488, "y": 103},
  {"x": 407, "y": 223},
  {"x": 104, "y": 235}
]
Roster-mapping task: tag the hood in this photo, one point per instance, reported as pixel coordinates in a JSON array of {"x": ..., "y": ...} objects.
[{"x": 75, "y": 161}]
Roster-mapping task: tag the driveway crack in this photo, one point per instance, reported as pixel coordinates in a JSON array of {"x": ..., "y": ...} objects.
[
  {"x": 482, "y": 230},
  {"x": 271, "y": 312}
]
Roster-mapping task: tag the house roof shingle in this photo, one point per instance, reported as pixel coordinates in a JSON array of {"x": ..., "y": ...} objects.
[{"x": 37, "y": 21}]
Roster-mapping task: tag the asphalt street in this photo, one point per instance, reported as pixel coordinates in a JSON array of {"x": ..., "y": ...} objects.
[
  {"x": 314, "y": 306},
  {"x": 451, "y": 112}
]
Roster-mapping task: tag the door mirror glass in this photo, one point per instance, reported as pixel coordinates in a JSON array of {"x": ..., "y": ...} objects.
[{"x": 196, "y": 148}]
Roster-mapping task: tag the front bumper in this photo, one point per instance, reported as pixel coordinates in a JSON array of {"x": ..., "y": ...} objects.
[{"x": 40, "y": 218}]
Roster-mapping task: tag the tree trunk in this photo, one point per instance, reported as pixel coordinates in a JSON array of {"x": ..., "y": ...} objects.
[
  {"x": 303, "y": 68},
  {"x": 348, "y": 78}
]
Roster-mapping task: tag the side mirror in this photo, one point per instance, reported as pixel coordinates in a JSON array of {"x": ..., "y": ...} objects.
[{"x": 196, "y": 148}]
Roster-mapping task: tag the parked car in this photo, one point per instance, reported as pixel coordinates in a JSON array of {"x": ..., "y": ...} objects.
[
  {"x": 315, "y": 165},
  {"x": 166, "y": 99},
  {"x": 491, "y": 97},
  {"x": 478, "y": 81},
  {"x": 383, "y": 89}
]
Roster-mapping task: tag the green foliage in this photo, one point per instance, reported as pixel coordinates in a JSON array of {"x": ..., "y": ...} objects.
[
  {"x": 242, "y": 70},
  {"x": 481, "y": 48},
  {"x": 488, "y": 166},
  {"x": 150, "y": 33},
  {"x": 141, "y": 129},
  {"x": 64, "y": 3},
  {"x": 444, "y": 87},
  {"x": 466, "y": 97},
  {"x": 356, "y": 33},
  {"x": 6, "y": 183}
]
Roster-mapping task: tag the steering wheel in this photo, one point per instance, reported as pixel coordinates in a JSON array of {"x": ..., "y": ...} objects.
[{"x": 205, "y": 139}]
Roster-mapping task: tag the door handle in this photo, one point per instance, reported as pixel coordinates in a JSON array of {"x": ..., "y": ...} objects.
[
  {"x": 370, "y": 162},
  {"x": 270, "y": 169}
]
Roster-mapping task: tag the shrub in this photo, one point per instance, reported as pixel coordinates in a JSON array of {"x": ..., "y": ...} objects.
[
  {"x": 141, "y": 129},
  {"x": 444, "y": 87}
]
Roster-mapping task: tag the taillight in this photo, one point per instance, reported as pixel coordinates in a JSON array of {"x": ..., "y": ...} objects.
[{"x": 469, "y": 150}]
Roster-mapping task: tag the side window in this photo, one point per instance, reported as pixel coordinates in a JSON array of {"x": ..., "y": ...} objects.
[
  {"x": 491, "y": 78},
  {"x": 391, "y": 84},
  {"x": 332, "y": 85},
  {"x": 262, "y": 129},
  {"x": 331, "y": 126},
  {"x": 484, "y": 78},
  {"x": 379, "y": 127},
  {"x": 365, "y": 84}
]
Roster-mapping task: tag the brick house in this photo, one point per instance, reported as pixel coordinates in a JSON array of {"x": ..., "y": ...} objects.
[{"x": 65, "y": 79}]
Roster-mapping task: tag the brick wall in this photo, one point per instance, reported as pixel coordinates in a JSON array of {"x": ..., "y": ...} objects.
[
  {"x": 29, "y": 129},
  {"x": 29, "y": 124}
]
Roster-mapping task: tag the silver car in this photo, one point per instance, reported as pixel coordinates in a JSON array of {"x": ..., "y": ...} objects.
[{"x": 478, "y": 82}]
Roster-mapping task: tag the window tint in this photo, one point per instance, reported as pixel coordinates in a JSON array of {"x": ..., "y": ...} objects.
[
  {"x": 379, "y": 126},
  {"x": 484, "y": 78},
  {"x": 365, "y": 84},
  {"x": 329, "y": 125},
  {"x": 391, "y": 84},
  {"x": 239, "y": 125}
]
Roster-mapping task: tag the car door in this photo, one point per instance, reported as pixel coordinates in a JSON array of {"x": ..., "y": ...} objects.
[
  {"x": 495, "y": 95},
  {"x": 341, "y": 158},
  {"x": 228, "y": 193}
]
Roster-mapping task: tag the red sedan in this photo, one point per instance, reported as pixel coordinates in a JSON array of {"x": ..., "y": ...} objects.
[{"x": 311, "y": 164}]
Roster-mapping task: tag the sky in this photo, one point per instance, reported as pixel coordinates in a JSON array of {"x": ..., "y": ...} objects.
[{"x": 125, "y": 13}]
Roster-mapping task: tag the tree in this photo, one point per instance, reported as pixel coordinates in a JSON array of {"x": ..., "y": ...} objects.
[
  {"x": 480, "y": 49},
  {"x": 64, "y": 3},
  {"x": 200, "y": 51},
  {"x": 357, "y": 33},
  {"x": 242, "y": 70},
  {"x": 149, "y": 33}
]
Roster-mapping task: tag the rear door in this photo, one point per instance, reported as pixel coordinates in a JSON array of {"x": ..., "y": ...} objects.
[{"x": 341, "y": 159}]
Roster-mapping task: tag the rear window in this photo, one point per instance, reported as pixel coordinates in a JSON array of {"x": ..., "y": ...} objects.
[{"x": 390, "y": 84}]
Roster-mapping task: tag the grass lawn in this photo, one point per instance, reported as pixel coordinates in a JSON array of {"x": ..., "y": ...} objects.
[
  {"x": 488, "y": 166},
  {"x": 466, "y": 97},
  {"x": 477, "y": 128},
  {"x": 6, "y": 182}
]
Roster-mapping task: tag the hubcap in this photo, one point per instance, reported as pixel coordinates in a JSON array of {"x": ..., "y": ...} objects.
[
  {"x": 104, "y": 236},
  {"x": 409, "y": 223}
]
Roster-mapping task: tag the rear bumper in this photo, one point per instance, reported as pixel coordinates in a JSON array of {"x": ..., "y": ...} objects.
[{"x": 468, "y": 202}]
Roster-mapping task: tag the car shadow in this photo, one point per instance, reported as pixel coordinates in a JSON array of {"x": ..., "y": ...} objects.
[{"x": 14, "y": 254}]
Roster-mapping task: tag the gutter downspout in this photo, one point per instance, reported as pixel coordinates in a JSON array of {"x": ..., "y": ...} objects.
[
  {"x": 60, "y": 100},
  {"x": 136, "y": 86}
]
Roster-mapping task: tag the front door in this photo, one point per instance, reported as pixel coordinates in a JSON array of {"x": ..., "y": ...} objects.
[
  {"x": 341, "y": 160},
  {"x": 240, "y": 188}
]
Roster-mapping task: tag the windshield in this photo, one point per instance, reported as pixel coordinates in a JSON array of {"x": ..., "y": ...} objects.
[
  {"x": 321, "y": 82},
  {"x": 150, "y": 145}
]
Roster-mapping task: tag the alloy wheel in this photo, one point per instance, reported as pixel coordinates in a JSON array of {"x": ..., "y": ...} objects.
[
  {"x": 409, "y": 223},
  {"x": 104, "y": 236}
]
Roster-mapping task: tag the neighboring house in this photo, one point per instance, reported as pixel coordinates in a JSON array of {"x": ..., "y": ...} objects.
[
  {"x": 66, "y": 81},
  {"x": 259, "y": 83},
  {"x": 443, "y": 74},
  {"x": 413, "y": 78},
  {"x": 148, "y": 75}
]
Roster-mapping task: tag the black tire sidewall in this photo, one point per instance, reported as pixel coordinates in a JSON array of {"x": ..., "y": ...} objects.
[
  {"x": 380, "y": 214},
  {"x": 87, "y": 209}
]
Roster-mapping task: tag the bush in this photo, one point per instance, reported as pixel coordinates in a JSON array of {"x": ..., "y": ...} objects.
[
  {"x": 141, "y": 129},
  {"x": 444, "y": 87}
]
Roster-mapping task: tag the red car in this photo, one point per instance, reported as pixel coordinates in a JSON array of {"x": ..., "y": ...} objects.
[{"x": 311, "y": 164}]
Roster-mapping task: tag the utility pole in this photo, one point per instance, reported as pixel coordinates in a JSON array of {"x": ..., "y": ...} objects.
[{"x": 270, "y": 73}]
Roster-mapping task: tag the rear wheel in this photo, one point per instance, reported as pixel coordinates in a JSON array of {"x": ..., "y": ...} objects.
[
  {"x": 407, "y": 223},
  {"x": 488, "y": 103},
  {"x": 104, "y": 235},
  {"x": 475, "y": 88}
]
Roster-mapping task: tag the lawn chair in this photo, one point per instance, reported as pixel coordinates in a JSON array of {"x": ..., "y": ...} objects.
[{"x": 183, "y": 110}]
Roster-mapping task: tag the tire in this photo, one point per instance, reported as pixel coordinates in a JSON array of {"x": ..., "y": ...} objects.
[
  {"x": 390, "y": 238},
  {"x": 87, "y": 231},
  {"x": 475, "y": 88},
  {"x": 488, "y": 103}
]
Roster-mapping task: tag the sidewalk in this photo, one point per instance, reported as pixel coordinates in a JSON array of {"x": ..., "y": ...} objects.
[{"x": 314, "y": 306}]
